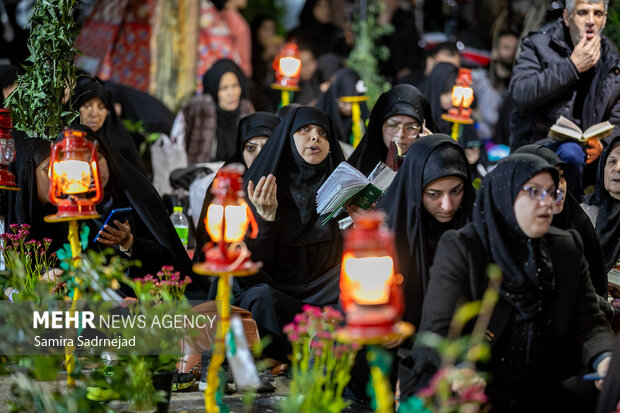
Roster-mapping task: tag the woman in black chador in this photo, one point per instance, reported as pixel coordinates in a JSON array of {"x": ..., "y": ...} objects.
[
  {"x": 300, "y": 257},
  {"x": 546, "y": 326},
  {"x": 147, "y": 236},
  {"x": 569, "y": 214},
  {"x": 253, "y": 133},
  {"x": 431, "y": 194},
  {"x": 94, "y": 103},
  {"x": 397, "y": 118},
  {"x": 347, "y": 84}
]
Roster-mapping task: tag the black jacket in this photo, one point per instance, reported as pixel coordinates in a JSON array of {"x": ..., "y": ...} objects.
[
  {"x": 544, "y": 86},
  {"x": 575, "y": 328}
]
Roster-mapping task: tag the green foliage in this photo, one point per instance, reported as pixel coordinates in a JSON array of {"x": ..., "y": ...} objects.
[
  {"x": 366, "y": 54},
  {"x": 612, "y": 26},
  {"x": 37, "y": 103}
]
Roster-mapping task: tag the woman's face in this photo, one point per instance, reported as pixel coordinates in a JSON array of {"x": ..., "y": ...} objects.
[
  {"x": 229, "y": 92},
  {"x": 346, "y": 108},
  {"x": 442, "y": 198},
  {"x": 445, "y": 99},
  {"x": 312, "y": 143},
  {"x": 252, "y": 148},
  {"x": 322, "y": 11},
  {"x": 93, "y": 113},
  {"x": 611, "y": 177},
  {"x": 534, "y": 214},
  {"x": 403, "y": 130}
]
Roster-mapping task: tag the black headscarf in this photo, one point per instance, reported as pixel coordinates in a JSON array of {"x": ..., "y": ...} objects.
[
  {"x": 573, "y": 216},
  {"x": 140, "y": 106},
  {"x": 320, "y": 37},
  {"x": 416, "y": 231},
  {"x": 326, "y": 67},
  {"x": 344, "y": 85},
  {"x": 527, "y": 271},
  {"x": 441, "y": 80},
  {"x": 608, "y": 220},
  {"x": 298, "y": 224},
  {"x": 113, "y": 130},
  {"x": 227, "y": 121},
  {"x": 400, "y": 100},
  {"x": 255, "y": 124}
]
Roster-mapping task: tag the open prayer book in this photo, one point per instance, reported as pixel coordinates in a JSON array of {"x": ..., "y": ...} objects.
[
  {"x": 566, "y": 129},
  {"x": 347, "y": 185},
  {"x": 613, "y": 278}
]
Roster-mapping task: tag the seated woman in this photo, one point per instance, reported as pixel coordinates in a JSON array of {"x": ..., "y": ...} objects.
[
  {"x": 603, "y": 205},
  {"x": 431, "y": 194},
  {"x": 300, "y": 256},
  {"x": 94, "y": 103},
  {"x": 568, "y": 214},
  {"x": 207, "y": 124},
  {"x": 347, "y": 84},
  {"x": 147, "y": 236},
  {"x": 546, "y": 326},
  {"x": 254, "y": 132},
  {"x": 396, "y": 121}
]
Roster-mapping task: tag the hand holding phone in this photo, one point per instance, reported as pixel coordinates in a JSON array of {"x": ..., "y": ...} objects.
[{"x": 116, "y": 229}]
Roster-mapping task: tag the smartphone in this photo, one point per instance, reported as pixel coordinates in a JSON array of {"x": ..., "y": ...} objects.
[{"x": 118, "y": 214}]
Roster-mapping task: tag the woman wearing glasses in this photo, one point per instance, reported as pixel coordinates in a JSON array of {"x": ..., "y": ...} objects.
[
  {"x": 398, "y": 118},
  {"x": 569, "y": 214},
  {"x": 546, "y": 326}
]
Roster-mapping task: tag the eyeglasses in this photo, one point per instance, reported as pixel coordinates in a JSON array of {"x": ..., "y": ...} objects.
[
  {"x": 541, "y": 194},
  {"x": 411, "y": 130}
]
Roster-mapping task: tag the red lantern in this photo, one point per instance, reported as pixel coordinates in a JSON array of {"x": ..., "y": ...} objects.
[
  {"x": 75, "y": 185},
  {"x": 462, "y": 97},
  {"x": 7, "y": 149},
  {"x": 227, "y": 222},
  {"x": 287, "y": 66},
  {"x": 370, "y": 290}
]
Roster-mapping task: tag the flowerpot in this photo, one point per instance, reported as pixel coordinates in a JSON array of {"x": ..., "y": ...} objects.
[{"x": 163, "y": 381}]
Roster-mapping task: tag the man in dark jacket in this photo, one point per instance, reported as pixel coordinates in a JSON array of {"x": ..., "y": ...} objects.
[{"x": 570, "y": 69}]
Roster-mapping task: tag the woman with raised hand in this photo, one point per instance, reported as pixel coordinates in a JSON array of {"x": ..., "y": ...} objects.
[
  {"x": 546, "y": 326},
  {"x": 300, "y": 256}
]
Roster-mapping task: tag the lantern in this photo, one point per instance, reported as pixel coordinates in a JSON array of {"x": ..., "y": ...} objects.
[
  {"x": 227, "y": 222},
  {"x": 75, "y": 185},
  {"x": 287, "y": 66},
  {"x": 370, "y": 289},
  {"x": 462, "y": 97},
  {"x": 7, "y": 149}
]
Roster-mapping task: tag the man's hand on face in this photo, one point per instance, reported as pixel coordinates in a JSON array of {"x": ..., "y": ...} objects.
[{"x": 586, "y": 53}]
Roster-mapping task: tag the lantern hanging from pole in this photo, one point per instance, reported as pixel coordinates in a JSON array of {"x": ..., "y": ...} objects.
[
  {"x": 227, "y": 222},
  {"x": 7, "y": 149},
  {"x": 370, "y": 288},
  {"x": 75, "y": 184},
  {"x": 462, "y": 97}
]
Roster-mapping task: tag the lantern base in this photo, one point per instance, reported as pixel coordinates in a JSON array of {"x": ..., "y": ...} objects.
[
  {"x": 461, "y": 119},
  {"x": 7, "y": 178},
  {"x": 217, "y": 264},
  {"x": 363, "y": 335},
  {"x": 69, "y": 211},
  {"x": 289, "y": 87}
]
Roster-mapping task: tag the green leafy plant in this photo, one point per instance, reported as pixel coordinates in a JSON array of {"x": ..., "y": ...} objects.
[
  {"x": 320, "y": 366},
  {"x": 612, "y": 26},
  {"x": 38, "y": 103},
  {"x": 457, "y": 386},
  {"x": 366, "y": 54}
]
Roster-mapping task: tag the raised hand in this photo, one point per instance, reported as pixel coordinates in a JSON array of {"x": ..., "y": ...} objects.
[
  {"x": 586, "y": 53},
  {"x": 264, "y": 198},
  {"x": 120, "y": 234}
]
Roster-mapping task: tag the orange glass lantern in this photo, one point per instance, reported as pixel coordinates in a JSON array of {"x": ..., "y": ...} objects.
[
  {"x": 370, "y": 289},
  {"x": 462, "y": 97},
  {"x": 287, "y": 66},
  {"x": 7, "y": 149},
  {"x": 75, "y": 185},
  {"x": 227, "y": 222}
]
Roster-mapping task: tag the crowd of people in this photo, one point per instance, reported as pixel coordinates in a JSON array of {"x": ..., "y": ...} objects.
[{"x": 548, "y": 215}]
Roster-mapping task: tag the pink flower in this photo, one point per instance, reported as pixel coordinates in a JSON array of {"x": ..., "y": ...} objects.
[
  {"x": 312, "y": 311},
  {"x": 317, "y": 344},
  {"x": 293, "y": 337},
  {"x": 326, "y": 335}
]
